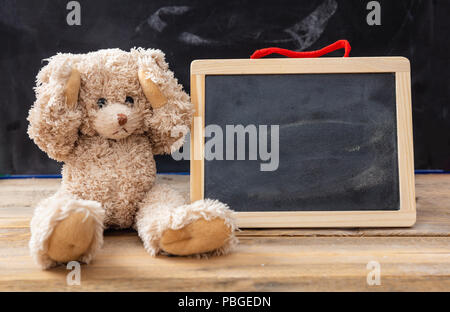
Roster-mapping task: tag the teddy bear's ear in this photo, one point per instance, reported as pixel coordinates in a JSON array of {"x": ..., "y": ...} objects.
[
  {"x": 72, "y": 88},
  {"x": 151, "y": 90},
  {"x": 151, "y": 67}
]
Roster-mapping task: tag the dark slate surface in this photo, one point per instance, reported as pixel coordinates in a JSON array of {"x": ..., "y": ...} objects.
[{"x": 337, "y": 141}]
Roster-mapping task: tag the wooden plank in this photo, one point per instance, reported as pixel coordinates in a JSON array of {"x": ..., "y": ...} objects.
[
  {"x": 295, "y": 66},
  {"x": 18, "y": 197},
  {"x": 258, "y": 264},
  {"x": 405, "y": 144},
  {"x": 268, "y": 260},
  {"x": 197, "y": 137}
]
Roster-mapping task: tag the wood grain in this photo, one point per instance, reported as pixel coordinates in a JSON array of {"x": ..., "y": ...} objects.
[
  {"x": 405, "y": 144},
  {"x": 258, "y": 264},
  {"x": 411, "y": 259},
  {"x": 296, "y": 66},
  {"x": 197, "y": 137}
]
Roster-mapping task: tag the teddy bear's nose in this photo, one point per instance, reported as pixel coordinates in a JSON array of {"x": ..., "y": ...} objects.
[{"x": 122, "y": 119}]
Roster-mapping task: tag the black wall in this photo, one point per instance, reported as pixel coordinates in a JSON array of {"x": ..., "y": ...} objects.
[{"x": 186, "y": 30}]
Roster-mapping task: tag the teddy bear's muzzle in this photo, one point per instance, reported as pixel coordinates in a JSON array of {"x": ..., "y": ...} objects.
[
  {"x": 122, "y": 119},
  {"x": 116, "y": 121}
]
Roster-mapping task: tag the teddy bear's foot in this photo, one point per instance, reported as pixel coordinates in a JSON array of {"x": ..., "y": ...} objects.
[
  {"x": 200, "y": 236},
  {"x": 71, "y": 238},
  {"x": 64, "y": 228},
  {"x": 166, "y": 223}
]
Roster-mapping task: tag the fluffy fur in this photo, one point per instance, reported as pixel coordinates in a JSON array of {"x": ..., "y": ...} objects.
[
  {"x": 54, "y": 209},
  {"x": 163, "y": 208},
  {"x": 109, "y": 169}
]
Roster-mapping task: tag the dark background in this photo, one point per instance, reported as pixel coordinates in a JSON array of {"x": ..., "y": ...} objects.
[{"x": 186, "y": 30}]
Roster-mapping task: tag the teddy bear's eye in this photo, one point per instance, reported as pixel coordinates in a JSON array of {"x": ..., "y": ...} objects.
[
  {"x": 101, "y": 102},
  {"x": 129, "y": 100}
]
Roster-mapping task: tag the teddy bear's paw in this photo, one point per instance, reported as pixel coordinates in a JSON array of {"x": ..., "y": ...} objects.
[
  {"x": 72, "y": 237},
  {"x": 200, "y": 236}
]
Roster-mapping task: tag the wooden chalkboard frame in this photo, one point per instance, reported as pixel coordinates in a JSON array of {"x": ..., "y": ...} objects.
[{"x": 405, "y": 216}]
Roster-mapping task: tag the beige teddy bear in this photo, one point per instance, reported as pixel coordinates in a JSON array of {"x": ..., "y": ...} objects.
[{"x": 105, "y": 114}]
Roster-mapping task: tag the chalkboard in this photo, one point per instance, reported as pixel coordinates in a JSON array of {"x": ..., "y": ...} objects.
[
  {"x": 197, "y": 29},
  {"x": 332, "y": 137},
  {"x": 337, "y": 141}
]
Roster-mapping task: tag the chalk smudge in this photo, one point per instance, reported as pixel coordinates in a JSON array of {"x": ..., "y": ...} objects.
[
  {"x": 307, "y": 31},
  {"x": 302, "y": 34},
  {"x": 157, "y": 23},
  {"x": 369, "y": 178},
  {"x": 300, "y": 123},
  {"x": 193, "y": 39}
]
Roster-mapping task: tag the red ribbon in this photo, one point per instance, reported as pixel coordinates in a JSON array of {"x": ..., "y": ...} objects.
[{"x": 340, "y": 44}]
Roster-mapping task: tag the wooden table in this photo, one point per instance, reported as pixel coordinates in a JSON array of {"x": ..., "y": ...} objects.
[{"x": 412, "y": 259}]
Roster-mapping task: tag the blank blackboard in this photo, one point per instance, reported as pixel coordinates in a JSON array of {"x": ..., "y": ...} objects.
[{"x": 339, "y": 139}]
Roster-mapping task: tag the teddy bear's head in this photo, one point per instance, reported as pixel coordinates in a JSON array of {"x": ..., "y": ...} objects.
[{"x": 113, "y": 94}]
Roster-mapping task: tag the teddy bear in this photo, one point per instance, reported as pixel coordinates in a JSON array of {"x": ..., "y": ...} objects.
[{"x": 105, "y": 114}]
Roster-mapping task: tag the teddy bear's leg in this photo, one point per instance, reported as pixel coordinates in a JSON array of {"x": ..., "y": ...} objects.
[
  {"x": 64, "y": 228},
  {"x": 166, "y": 223}
]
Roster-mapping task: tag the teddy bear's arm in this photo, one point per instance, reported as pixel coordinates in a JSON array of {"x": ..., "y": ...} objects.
[
  {"x": 55, "y": 116},
  {"x": 169, "y": 126},
  {"x": 172, "y": 109}
]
